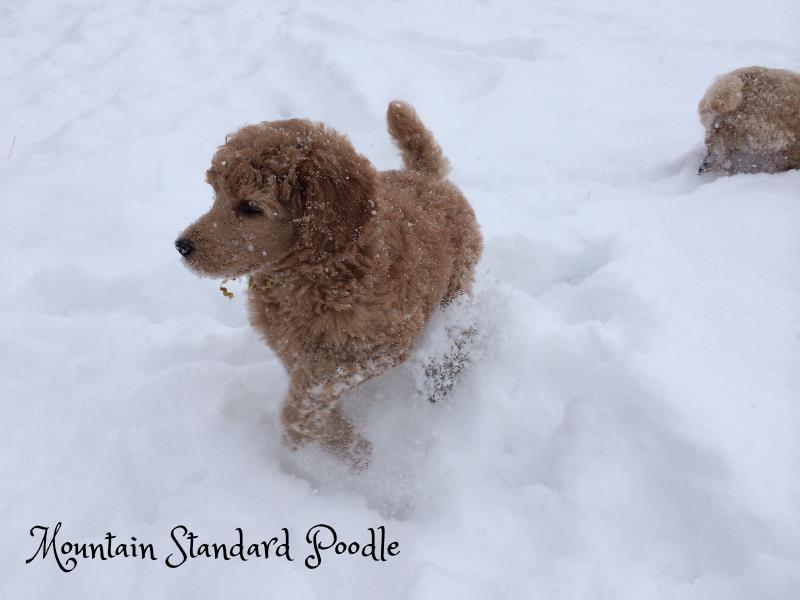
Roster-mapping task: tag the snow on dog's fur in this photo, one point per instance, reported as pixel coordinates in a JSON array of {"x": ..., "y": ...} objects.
[
  {"x": 752, "y": 121},
  {"x": 346, "y": 264}
]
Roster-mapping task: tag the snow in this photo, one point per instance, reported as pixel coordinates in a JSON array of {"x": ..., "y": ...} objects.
[{"x": 628, "y": 427}]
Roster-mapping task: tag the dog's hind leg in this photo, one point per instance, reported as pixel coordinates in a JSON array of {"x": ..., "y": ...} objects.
[{"x": 441, "y": 373}]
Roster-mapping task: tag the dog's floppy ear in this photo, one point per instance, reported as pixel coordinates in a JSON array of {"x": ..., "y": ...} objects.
[{"x": 338, "y": 186}]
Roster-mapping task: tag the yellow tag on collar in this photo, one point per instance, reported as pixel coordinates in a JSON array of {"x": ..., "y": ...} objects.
[{"x": 225, "y": 291}]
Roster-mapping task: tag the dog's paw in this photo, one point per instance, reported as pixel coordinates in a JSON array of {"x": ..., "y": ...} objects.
[
  {"x": 356, "y": 452},
  {"x": 360, "y": 455},
  {"x": 294, "y": 440}
]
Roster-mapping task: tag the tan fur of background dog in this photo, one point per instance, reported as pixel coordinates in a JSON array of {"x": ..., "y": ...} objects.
[
  {"x": 752, "y": 121},
  {"x": 346, "y": 263}
]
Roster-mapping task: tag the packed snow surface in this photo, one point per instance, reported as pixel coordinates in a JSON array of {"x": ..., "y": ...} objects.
[{"x": 629, "y": 425}]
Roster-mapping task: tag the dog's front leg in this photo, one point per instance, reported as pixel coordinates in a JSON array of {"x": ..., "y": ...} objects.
[{"x": 311, "y": 414}]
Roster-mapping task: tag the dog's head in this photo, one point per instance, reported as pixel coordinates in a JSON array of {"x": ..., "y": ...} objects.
[{"x": 281, "y": 188}]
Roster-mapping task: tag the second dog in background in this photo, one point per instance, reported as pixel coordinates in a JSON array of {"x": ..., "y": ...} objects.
[{"x": 752, "y": 121}]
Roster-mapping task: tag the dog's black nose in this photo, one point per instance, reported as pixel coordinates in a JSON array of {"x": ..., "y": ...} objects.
[{"x": 185, "y": 247}]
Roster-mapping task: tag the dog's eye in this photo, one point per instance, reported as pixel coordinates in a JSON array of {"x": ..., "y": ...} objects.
[{"x": 249, "y": 207}]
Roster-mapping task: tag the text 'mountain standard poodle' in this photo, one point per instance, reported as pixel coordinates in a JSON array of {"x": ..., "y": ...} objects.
[{"x": 346, "y": 264}]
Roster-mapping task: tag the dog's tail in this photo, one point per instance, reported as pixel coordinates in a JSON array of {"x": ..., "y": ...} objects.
[{"x": 420, "y": 151}]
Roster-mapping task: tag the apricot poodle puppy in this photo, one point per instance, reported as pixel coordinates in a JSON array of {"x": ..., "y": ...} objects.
[
  {"x": 752, "y": 121},
  {"x": 346, "y": 264}
]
